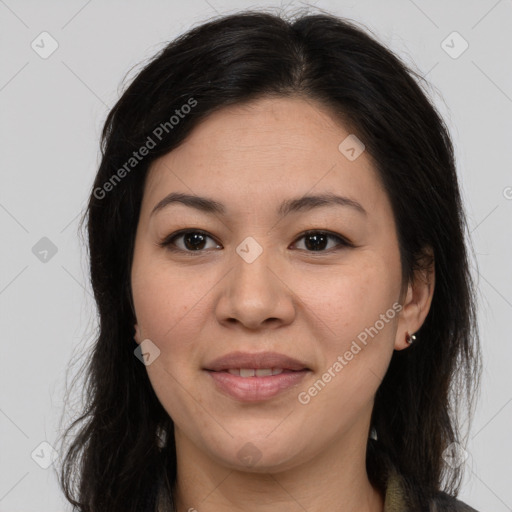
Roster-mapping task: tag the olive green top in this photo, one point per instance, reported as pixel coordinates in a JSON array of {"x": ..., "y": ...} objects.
[
  {"x": 398, "y": 499},
  {"x": 394, "y": 498}
]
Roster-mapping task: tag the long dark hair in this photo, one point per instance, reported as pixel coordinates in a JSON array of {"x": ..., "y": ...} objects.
[{"x": 116, "y": 455}]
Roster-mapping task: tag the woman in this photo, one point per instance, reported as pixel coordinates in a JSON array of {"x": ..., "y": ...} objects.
[{"x": 278, "y": 258}]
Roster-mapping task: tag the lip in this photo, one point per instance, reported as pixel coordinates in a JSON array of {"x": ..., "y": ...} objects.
[
  {"x": 256, "y": 361},
  {"x": 254, "y": 389}
]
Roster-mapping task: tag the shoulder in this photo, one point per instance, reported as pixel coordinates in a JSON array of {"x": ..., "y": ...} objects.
[
  {"x": 401, "y": 496},
  {"x": 443, "y": 502}
]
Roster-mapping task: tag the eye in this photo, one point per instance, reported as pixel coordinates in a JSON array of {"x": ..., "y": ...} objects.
[
  {"x": 316, "y": 241},
  {"x": 193, "y": 241}
]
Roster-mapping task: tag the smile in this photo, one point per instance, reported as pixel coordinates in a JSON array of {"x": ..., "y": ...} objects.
[{"x": 252, "y": 385}]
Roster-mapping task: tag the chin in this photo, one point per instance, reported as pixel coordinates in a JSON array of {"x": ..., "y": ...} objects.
[{"x": 262, "y": 455}]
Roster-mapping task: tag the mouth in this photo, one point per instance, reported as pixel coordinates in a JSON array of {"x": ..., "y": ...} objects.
[
  {"x": 246, "y": 362},
  {"x": 256, "y": 376},
  {"x": 257, "y": 372},
  {"x": 255, "y": 384}
]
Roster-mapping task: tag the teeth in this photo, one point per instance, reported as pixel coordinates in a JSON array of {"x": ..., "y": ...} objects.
[
  {"x": 263, "y": 372},
  {"x": 251, "y": 372}
]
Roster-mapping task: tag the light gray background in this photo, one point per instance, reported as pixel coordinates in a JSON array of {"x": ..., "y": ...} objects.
[{"x": 51, "y": 114}]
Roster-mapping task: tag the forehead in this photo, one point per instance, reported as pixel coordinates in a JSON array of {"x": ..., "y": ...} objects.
[
  {"x": 263, "y": 149},
  {"x": 268, "y": 125}
]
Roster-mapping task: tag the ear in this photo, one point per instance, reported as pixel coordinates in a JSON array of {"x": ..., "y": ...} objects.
[
  {"x": 418, "y": 299},
  {"x": 137, "y": 336}
]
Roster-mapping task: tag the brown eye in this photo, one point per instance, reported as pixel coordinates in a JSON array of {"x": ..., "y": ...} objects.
[
  {"x": 317, "y": 241},
  {"x": 191, "y": 241}
]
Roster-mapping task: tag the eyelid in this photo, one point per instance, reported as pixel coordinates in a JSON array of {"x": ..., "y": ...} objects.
[
  {"x": 167, "y": 241},
  {"x": 344, "y": 241}
]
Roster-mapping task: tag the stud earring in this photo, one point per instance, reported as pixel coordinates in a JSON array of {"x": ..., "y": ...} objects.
[{"x": 410, "y": 338}]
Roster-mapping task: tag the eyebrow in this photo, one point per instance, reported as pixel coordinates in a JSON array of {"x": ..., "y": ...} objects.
[{"x": 300, "y": 204}]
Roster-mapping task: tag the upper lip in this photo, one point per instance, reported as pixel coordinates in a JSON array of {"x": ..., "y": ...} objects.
[{"x": 256, "y": 360}]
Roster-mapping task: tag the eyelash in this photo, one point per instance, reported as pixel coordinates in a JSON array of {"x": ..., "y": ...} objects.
[{"x": 167, "y": 242}]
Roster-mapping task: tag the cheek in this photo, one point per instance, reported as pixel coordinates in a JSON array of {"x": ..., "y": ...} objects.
[
  {"x": 356, "y": 313},
  {"x": 352, "y": 298},
  {"x": 169, "y": 313},
  {"x": 167, "y": 298}
]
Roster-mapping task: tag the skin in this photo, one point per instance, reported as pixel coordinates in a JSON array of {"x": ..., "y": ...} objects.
[{"x": 307, "y": 304}]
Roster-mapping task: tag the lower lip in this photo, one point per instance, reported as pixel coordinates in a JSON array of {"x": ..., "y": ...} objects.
[{"x": 253, "y": 389}]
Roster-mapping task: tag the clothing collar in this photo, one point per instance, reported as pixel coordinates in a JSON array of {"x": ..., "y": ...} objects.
[{"x": 395, "y": 495}]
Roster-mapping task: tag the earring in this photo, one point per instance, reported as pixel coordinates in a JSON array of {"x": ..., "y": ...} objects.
[
  {"x": 410, "y": 338},
  {"x": 161, "y": 437}
]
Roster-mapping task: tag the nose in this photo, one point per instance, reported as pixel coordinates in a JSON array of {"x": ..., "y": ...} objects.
[{"x": 255, "y": 294}]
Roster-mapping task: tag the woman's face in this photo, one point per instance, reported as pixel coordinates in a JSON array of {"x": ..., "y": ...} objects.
[{"x": 247, "y": 279}]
